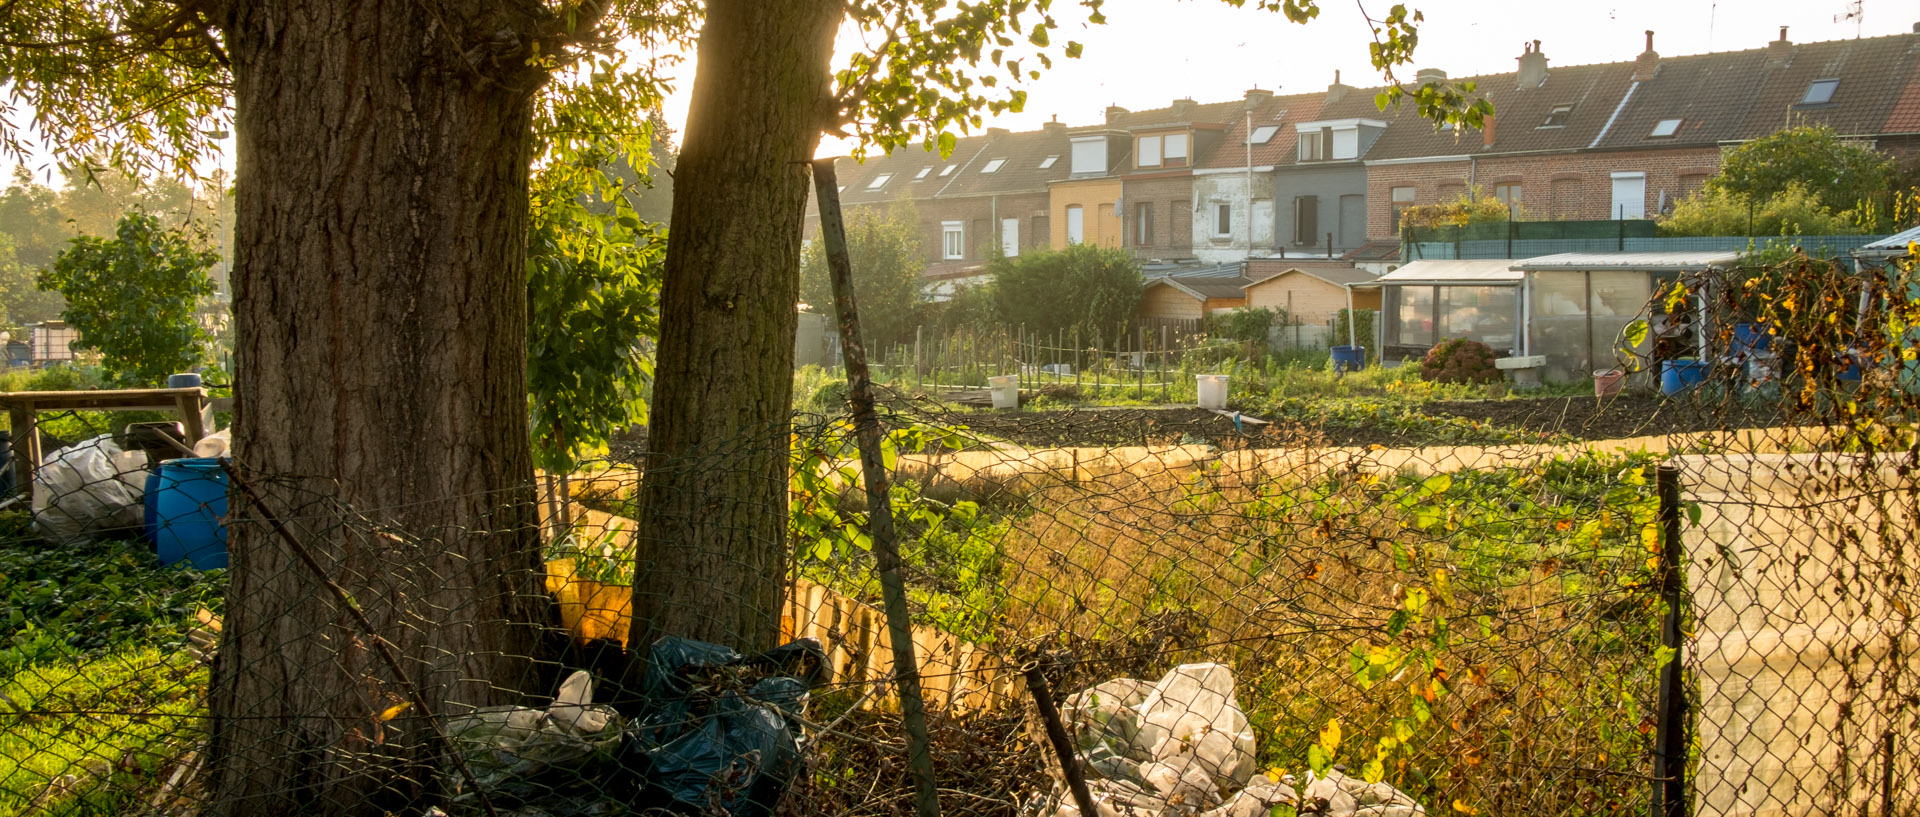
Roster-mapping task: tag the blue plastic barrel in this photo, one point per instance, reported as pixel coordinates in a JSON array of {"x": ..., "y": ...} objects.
[
  {"x": 1349, "y": 358},
  {"x": 149, "y": 512},
  {"x": 1750, "y": 338},
  {"x": 1680, "y": 375},
  {"x": 186, "y": 503}
]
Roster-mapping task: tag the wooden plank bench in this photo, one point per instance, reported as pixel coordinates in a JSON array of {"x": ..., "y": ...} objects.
[{"x": 23, "y": 408}]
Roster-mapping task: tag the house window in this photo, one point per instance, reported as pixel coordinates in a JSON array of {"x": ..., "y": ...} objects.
[
  {"x": 923, "y": 173},
  {"x": 1222, "y": 220},
  {"x": 1076, "y": 224},
  {"x": 953, "y": 240},
  {"x": 1143, "y": 224},
  {"x": 1306, "y": 220},
  {"x": 1558, "y": 116},
  {"x": 1263, "y": 134},
  {"x": 1147, "y": 152},
  {"x": 1508, "y": 193},
  {"x": 879, "y": 181},
  {"x": 1048, "y": 162},
  {"x": 1315, "y": 147},
  {"x": 947, "y": 171},
  {"x": 993, "y": 166},
  {"x": 1009, "y": 237},
  {"x": 1402, "y": 198},
  {"x": 1629, "y": 195},
  {"x": 1665, "y": 127},
  {"x": 1176, "y": 149},
  {"x": 1820, "y": 92},
  {"x": 1090, "y": 155}
]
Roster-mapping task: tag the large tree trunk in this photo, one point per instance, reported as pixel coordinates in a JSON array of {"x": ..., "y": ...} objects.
[
  {"x": 380, "y": 298},
  {"x": 712, "y": 511}
]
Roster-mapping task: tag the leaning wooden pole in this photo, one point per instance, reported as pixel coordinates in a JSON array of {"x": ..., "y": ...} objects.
[{"x": 886, "y": 551}]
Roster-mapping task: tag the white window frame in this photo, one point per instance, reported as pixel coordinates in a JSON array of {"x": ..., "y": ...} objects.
[
  {"x": 993, "y": 166},
  {"x": 1010, "y": 237},
  {"x": 1614, "y": 208},
  {"x": 1089, "y": 155},
  {"x": 880, "y": 181},
  {"x": 1263, "y": 134},
  {"x": 1076, "y": 224},
  {"x": 953, "y": 240},
  {"x": 1168, "y": 152},
  {"x": 1557, "y": 116},
  {"x": 1146, "y": 151},
  {"x": 1048, "y": 162},
  {"x": 1222, "y": 212},
  {"x": 1665, "y": 128}
]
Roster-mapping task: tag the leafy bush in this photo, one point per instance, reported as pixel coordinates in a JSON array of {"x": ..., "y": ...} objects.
[
  {"x": 1248, "y": 325},
  {"x": 1458, "y": 360},
  {"x": 1470, "y": 207},
  {"x": 135, "y": 298},
  {"x": 1842, "y": 173},
  {"x": 1362, "y": 333},
  {"x": 883, "y": 247},
  {"x": 1793, "y": 211},
  {"x": 1085, "y": 288}
]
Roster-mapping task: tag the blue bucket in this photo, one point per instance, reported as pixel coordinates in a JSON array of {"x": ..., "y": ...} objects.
[
  {"x": 1750, "y": 337},
  {"x": 1349, "y": 358},
  {"x": 1680, "y": 375},
  {"x": 186, "y": 503}
]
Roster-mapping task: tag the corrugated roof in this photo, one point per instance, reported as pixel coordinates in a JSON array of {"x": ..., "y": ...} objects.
[
  {"x": 1674, "y": 260},
  {"x": 1485, "y": 272},
  {"x": 1892, "y": 246}
]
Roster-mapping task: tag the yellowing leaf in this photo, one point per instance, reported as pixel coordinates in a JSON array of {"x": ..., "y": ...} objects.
[
  {"x": 1330, "y": 737},
  {"x": 1462, "y": 807},
  {"x": 394, "y": 711}
]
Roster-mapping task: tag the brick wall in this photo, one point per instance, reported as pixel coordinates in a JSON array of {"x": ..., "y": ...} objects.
[
  {"x": 1169, "y": 198},
  {"x": 1555, "y": 186},
  {"x": 982, "y": 218}
]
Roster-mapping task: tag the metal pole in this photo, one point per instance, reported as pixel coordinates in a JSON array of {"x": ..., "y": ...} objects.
[
  {"x": 886, "y": 551},
  {"x": 1062, "y": 745},
  {"x": 1670, "y": 742}
]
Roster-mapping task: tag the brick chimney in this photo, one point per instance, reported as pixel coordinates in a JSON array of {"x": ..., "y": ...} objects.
[
  {"x": 1648, "y": 63},
  {"x": 1533, "y": 67},
  {"x": 1779, "y": 52},
  {"x": 1115, "y": 113},
  {"x": 1054, "y": 127},
  {"x": 1486, "y": 133},
  {"x": 1182, "y": 106},
  {"x": 1338, "y": 90},
  {"x": 1429, "y": 75},
  {"x": 1255, "y": 97},
  {"x": 998, "y": 131}
]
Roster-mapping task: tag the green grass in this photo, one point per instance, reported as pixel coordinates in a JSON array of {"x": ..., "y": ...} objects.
[{"x": 76, "y": 717}]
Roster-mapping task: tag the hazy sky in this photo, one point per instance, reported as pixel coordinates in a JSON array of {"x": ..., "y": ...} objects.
[{"x": 1154, "y": 51}]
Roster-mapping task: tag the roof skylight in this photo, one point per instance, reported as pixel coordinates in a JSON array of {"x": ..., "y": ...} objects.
[
  {"x": 1665, "y": 127},
  {"x": 923, "y": 173},
  {"x": 993, "y": 166},
  {"x": 880, "y": 181},
  {"x": 1820, "y": 92},
  {"x": 1048, "y": 162},
  {"x": 1263, "y": 134}
]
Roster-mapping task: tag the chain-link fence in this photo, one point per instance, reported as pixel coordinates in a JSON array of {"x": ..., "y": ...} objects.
[{"x": 1221, "y": 616}]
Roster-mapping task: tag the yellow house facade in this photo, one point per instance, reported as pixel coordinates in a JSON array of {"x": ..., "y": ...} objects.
[{"x": 1082, "y": 212}]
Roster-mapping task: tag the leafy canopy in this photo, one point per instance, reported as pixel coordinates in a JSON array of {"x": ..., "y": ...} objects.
[
  {"x": 1837, "y": 172},
  {"x": 1085, "y": 288},
  {"x": 135, "y": 299},
  {"x": 883, "y": 245},
  {"x": 1791, "y": 212}
]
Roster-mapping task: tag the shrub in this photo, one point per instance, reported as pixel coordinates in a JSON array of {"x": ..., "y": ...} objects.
[
  {"x": 1458, "y": 360},
  {"x": 1793, "y": 211},
  {"x": 1248, "y": 325},
  {"x": 1084, "y": 288}
]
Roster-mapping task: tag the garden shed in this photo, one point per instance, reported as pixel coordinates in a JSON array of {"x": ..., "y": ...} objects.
[
  {"x": 1879, "y": 253},
  {"x": 1427, "y": 301},
  {"x": 1193, "y": 296},
  {"x": 1312, "y": 294},
  {"x": 1577, "y": 303}
]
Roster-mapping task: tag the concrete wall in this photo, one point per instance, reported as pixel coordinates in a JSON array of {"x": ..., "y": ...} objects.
[
  {"x": 1250, "y": 232},
  {"x": 1328, "y": 183}
]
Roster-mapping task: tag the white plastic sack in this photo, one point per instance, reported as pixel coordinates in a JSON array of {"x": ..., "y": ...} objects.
[
  {"x": 215, "y": 444},
  {"x": 1192, "y": 718},
  {"x": 88, "y": 488}
]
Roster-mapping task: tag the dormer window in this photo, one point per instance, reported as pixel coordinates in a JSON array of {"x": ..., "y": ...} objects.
[
  {"x": 1175, "y": 149},
  {"x": 1665, "y": 127},
  {"x": 1820, "y": 92},
  {"x": 880, "y": 181},
  {"x": 947, "y": 171},
  {"x": 923, "y": 173},
  {"x": 1146, "y": 152},
  {"x": 1316, "y": 144},
  {"x": 1558, "y": 116},
  {"x": 1263, "y": 134},
  {"x": 993, "y": 166},
  {"x": 1048, "y": 162},
  {"x": 1335, "y": 139}
]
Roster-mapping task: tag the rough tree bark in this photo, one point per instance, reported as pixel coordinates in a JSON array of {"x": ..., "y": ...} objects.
[
  {"x": 380, "y": 299},
  {"x": 712, "y": 510}
]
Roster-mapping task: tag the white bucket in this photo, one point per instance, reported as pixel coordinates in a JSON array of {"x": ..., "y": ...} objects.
[
  {"x": 1212, "y": 390},
  {"x": 1006, "y": 391}
]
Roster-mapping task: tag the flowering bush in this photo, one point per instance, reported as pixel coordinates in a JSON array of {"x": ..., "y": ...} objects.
[{"x": 1459, "y": 360}]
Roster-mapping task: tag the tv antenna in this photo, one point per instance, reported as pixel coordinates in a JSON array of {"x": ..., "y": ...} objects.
[{"x": 1854, "y": 13}]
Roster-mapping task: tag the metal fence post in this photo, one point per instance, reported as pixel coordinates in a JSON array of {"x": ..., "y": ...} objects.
[
  {"x": 886, "y": 551},
  {"x": 1670, "y": 740}
]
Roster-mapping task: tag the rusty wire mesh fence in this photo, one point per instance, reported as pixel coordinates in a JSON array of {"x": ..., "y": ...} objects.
[{"x": 1229, "y": 616}]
